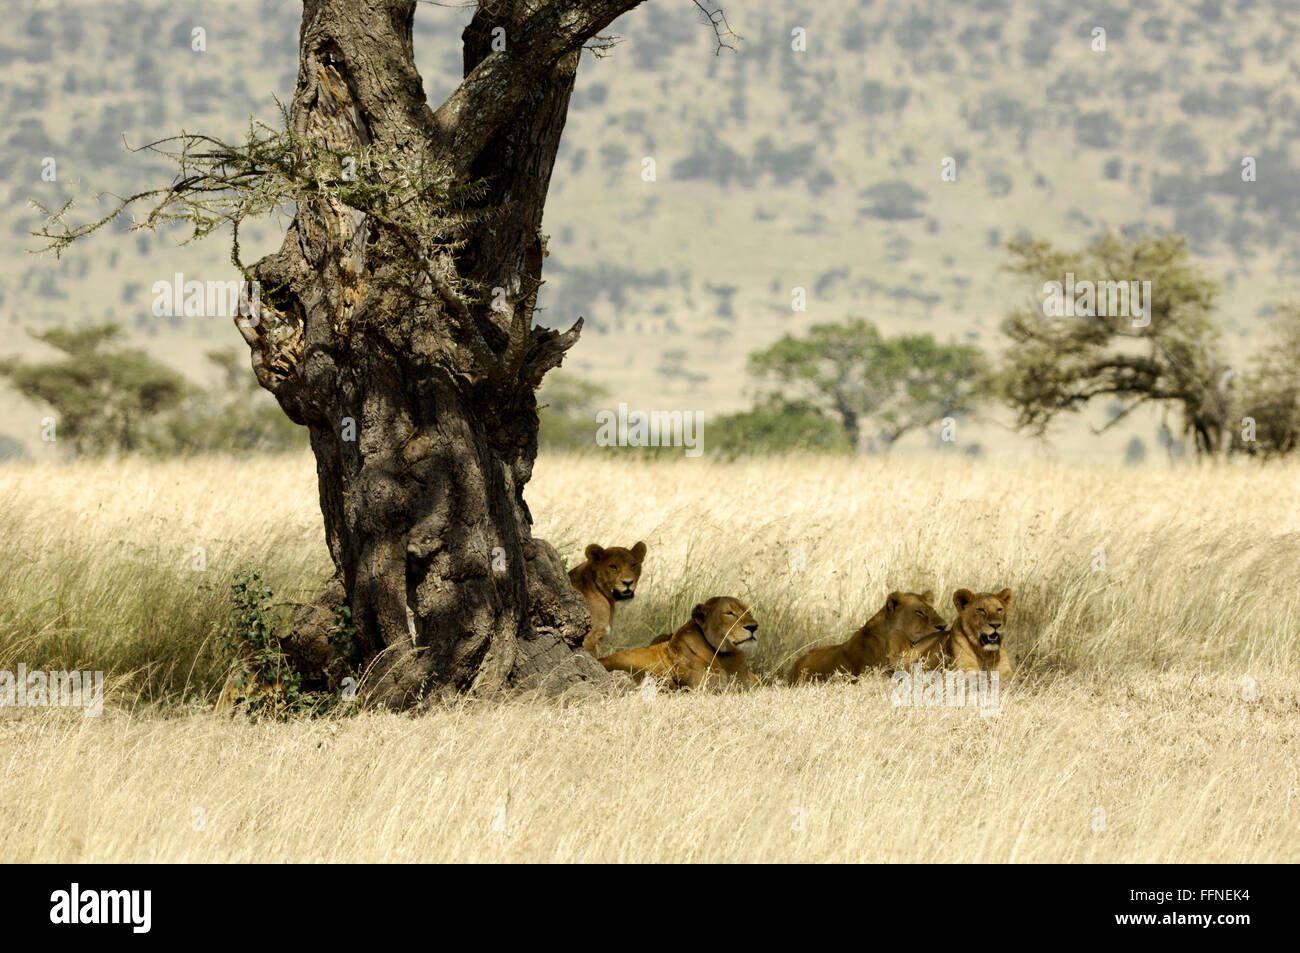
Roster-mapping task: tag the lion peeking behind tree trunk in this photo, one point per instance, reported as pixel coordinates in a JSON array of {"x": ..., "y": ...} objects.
[{"x": 608, "y": 576}]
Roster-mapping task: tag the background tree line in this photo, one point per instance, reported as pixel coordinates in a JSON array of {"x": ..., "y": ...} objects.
[
  {"x": 844, "y": 387},
  {"x": 841, "y": 387},
  {"x": 107, "y": 398}
]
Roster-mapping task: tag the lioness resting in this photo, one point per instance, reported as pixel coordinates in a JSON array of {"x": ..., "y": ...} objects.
[
  {"x": 607, "y": 576},
  {"x": 907, "y": 629},
  {"x": 707, "y": 652},
  {"x": 975, "y": 642}
]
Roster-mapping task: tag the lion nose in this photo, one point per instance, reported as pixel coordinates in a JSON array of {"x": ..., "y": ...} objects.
[
  {"x": 752, "y": 628},
  {"x": 941, "y": 627},
  {"x": 995, "y": 626}
]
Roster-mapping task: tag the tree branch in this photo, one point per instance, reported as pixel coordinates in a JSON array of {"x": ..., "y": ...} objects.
[
  {"x": 546, "y": 350},
  {"x": 724, "y": 35},
  {"x": 500, "y": 83}
]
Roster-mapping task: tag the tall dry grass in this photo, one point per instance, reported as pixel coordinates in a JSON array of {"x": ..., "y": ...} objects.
[{"x": 1155, "y": 720}]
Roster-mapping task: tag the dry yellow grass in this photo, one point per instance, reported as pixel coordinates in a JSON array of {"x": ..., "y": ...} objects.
[{"x": 1155, "y": 720}]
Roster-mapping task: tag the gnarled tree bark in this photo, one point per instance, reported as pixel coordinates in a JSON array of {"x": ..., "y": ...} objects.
[{"x": 424, "y": 510}]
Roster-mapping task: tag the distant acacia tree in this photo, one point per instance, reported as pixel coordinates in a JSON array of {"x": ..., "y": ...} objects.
[
  {"x": 877, "y": 389},
  {"x": 566, "y": 408},
  {"x": 1062, "y": 363},
  {"x": 929, "y": 381},
  {"x": 834, "y": 368},
  {"x": 105, "y": 397},
  {"x": 112, "y": 399},
  {"x": 1269, "y": 424},
  {"x": 894, "y": 200},
  {"x": 776, "y": 425},
  {"x": 237, "y": 416}
]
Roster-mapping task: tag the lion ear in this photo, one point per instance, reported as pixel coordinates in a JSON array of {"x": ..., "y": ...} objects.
[
  {"x": 638, "y": 551},
  {"x": 700, "y": 614},
  {"x": 1004, "y": 597},
  {"x": 892, "y": 603},
  {"x": 962, "y": 598},
  {"x": 927, "y": 596},
  {"x": 594, "y": 553}
]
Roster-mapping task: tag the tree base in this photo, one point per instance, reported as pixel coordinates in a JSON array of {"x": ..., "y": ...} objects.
[{"x": 548, "y": 659}]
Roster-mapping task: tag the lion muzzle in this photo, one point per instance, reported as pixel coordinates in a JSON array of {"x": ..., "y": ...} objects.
[{"x": 750, "y": 642}]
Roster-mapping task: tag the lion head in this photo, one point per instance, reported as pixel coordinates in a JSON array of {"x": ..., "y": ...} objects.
[
  {"x": 912, "y": 615},
  {"x": 983, "y": 614},
  {"x": 727, "y": 624},
  {"x": 616, "y": 569}
]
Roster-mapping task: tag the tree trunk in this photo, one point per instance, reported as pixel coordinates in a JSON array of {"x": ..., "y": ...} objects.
[{"x": 417, "y": 383}]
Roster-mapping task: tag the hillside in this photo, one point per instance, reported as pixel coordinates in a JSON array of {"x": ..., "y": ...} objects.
[{"x": 776, "y": 169}]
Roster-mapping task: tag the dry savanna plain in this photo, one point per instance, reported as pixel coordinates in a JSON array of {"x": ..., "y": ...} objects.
[{"x": 1154, "y": 631}]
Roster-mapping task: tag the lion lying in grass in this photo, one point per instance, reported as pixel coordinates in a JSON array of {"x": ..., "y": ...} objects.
[
  {"x": 975, "y": 642},
  {"x": 907, "y": 629},
  {"x": 709, "y": 651}
]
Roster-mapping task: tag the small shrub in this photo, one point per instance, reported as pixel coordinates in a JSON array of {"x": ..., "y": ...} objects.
[{"x": 262, "y": 682}]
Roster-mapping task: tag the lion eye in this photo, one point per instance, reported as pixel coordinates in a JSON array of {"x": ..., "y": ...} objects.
[
  {"x": 920, "y": 613},
  {"x": 981, "y": 612}
]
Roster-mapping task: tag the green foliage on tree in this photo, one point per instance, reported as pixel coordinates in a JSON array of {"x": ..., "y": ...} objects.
[
  {"x": 833, "y": 368},
  {"x": 928, "y": 381},
  {"x": 220, "y": 183},
  {"x": 776, "y": 425},
  {"x": 566, "y": 411},
  {"x": 104, "y": 398},
  {"x": 1270, "y": 394},
  {"x": 1170, "y": 357},
  {"x": 237, "y": 416},
  {"x": 875, "y": 389},
  {"x": 111, "y": 399}
]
